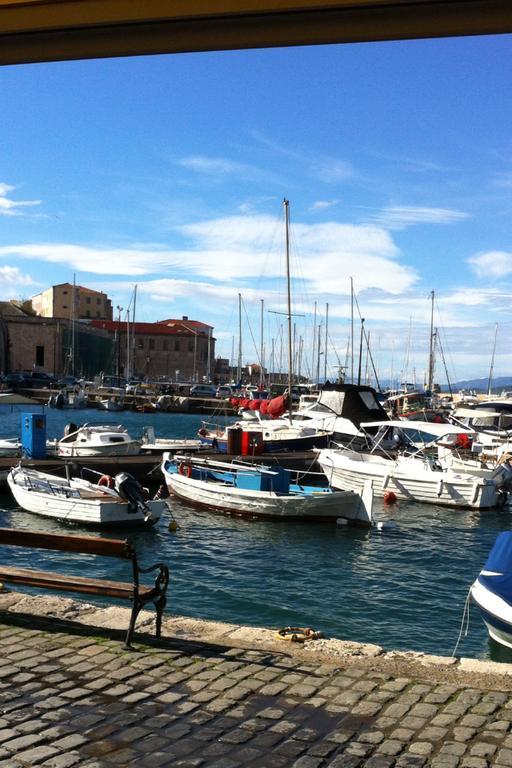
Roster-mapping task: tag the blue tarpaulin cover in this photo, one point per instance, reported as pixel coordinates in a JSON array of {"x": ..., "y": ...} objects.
[{"x": 500, "y": 561}]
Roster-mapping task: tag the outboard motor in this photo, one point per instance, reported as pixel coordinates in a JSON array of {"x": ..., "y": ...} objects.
[
  {"x": 502, "y": 476},
  {"x": 131, "y": 490}
]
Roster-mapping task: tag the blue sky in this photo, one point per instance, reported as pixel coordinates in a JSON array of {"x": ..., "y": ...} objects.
[{"x": 169, "y": 172}]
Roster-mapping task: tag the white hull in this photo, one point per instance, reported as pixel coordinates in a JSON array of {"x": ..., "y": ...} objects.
[
  {"x": 112, "y": 449},
  {"x": 408, "y": 478},
  {"x": 68, "y": 503},
  {"x": 249, "y": 503},
  {"x": 496, "y": 613}
]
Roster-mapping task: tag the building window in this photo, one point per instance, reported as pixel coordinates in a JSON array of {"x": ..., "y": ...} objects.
[
  {"x": 151, "y": 343},
  {"x": 64, "y": 293},
  {"x": 64, "y": 306},
  {"x": 98, "y": 314},
  {"x": 140, "y": 343},
  {"x": 165, "y": 345},
  {"x": 88, "y": 313},
  {"x": 177, "y": 345},
  {"x": 40, "y": 356},
  {"x": 190, "y": 345},
  {"x": 98, "y": 301},
  {"x": 88, "y": 300}
]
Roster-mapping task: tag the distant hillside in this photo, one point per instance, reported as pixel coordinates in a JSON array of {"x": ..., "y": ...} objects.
[{"x": 499, "y": 383}]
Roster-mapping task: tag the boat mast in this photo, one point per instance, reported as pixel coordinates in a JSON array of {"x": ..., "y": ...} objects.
[
  {"x": 261, "y": 343},
  {"x": 326, "y": 337},
  {"x": 239, "y": 366},
  {"x": 289, "y": 300},
  {"x": 489, "y": 383},
  {"x": 73, "y": 316},
  {"x": 313, "y": 356},
  {"x": 133, "y": 361},
  {"x": 430, "y": 380},
  {"x": 352, "y": 330}
]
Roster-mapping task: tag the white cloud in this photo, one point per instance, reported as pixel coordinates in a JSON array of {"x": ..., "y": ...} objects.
[
  {"x": 221, "y": 167},
  {"x": 237, "y": 248},
  {"x": 491, "y": 264},
  {"x": 11, "y": 276},
  {"x": 103, "y": 261},
  {"x": 321, "y": 205},
  {"x": 10, "y": 207},
  {"x": 400, "y": 217}
]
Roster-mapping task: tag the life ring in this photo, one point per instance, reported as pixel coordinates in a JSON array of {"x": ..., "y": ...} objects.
[
  {"x": 298, "y": 634},
  {"x": 106, "y": 481},
  {"x": 185, "y": 469}
]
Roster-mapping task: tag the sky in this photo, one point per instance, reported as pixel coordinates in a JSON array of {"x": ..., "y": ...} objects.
[{"x": 169, "y": 173}]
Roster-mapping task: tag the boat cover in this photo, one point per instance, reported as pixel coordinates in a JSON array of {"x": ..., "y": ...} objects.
[{"x": 500, "y": 563}]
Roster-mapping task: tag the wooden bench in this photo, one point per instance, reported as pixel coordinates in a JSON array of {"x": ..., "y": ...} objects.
[{"x": 139, "y": 594}]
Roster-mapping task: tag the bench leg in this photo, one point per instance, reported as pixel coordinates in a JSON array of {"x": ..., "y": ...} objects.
[
  {"x": 159, "y": 607},
  {"x": 133, "y": 618}
]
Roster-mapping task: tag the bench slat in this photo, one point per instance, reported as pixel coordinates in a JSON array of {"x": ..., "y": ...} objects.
[
  {"x": 68, "y": 583},
  {"x": 92, "y": 545}
]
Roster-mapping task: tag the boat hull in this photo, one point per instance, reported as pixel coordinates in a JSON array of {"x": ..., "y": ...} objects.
[
  {"x": 219, "y": 443},
  {"x": 496, "y": 613},
  {"x": 322, "y": 507},
  {"x": 70, "y": 450},
  {"x": 413, "y": 481},
  {"x": 62, "y": 505}
]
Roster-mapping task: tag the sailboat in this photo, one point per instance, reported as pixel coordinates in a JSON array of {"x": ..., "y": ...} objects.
[{"x": 260, "y": 436}]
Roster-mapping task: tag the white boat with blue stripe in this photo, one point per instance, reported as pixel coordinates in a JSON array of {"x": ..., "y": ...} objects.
[{"x": 492, "y": 590}]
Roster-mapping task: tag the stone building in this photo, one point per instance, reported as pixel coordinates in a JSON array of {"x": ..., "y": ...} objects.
[
  {"x": 58, "y": 301},
  {"x": 29, "y": 342},
  {"x": 175, "y": 350}
]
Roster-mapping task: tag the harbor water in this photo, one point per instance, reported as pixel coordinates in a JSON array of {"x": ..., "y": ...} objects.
[{"x": 403, "y": 587}]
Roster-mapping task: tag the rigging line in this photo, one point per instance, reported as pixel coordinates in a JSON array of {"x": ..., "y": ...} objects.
[
  {"x": 443, "y": 331},
  {"x": 250, "y": 331},
  {"x": 377, "y": 382},
  {"x": 464, "y": 621}
]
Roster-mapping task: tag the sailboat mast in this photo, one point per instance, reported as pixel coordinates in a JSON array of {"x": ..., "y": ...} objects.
[
  {"x": 261, "y": 343},
  {"x": 289, "y": 298},
  {"x": 430, "y": 381},
  {"x": 133, "y": 361},
  {"x": 239, "y": 366},
  {"x": 313, "y": 355},
  {"x": 352, "y": 330},
  {"x": 73, "y": 317},
  {"x": 326, "y": 338},
  {"x": 489, "y": 383}
]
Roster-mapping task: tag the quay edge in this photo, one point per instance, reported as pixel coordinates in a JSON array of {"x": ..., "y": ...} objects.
[{"x": 481, "y": 674}]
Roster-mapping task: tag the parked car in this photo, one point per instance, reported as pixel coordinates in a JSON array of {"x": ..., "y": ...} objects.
[
  {"x": 224, "y": 390},
  {"x": 41, "y": 380},
  {"x": 203, "y": 390},
  {"x": 17, "y": 381}
]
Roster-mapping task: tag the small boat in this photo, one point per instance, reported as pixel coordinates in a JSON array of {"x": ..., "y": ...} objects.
[
  {"x": 10, "y": 446},
  {"x": 154, "y": 445},
  {"x": 94, "y": 440},
  {"x": 492, "y": 590},
  {"x": 257, "y": 491},
  {"x": 252, "y": 438},
  {"x": 111, "y": 403},
  {"x": 110, "y": 501}
]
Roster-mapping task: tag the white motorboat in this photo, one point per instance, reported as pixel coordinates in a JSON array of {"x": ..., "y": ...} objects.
[
  {"x": 111, "y": 403},
  {"x": 155, "y": 445},
  {"x": 410, "y": 472},
  {"x": 258, "y": 491},
  {"x": 492, "y": 590},
  {"x": 110, "y": 501},
  {"x": 10, "y": 447},
  {"x": 94, "y": 440}
]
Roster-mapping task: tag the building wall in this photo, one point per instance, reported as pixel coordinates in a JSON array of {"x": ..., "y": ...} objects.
[
  {"x": 57, "y": 302},
  {"x": 175, "y": 357},
  {"x": 34, "y": 344}
]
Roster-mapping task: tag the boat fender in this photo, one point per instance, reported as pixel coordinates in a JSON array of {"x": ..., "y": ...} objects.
[
  {"x": 298, "y": 634},
  {"x": 390, "y": 497},
  {"x": 440, "y": 486},
  {"x": 106, "y": 481},
  {"x": 185, "y": 470}
]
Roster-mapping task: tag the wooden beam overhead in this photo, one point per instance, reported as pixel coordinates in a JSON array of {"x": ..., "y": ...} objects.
[{"x": 53, "y": 30}]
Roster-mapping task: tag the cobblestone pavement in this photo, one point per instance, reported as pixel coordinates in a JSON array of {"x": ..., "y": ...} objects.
[{"x": 71, "y": 696}]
